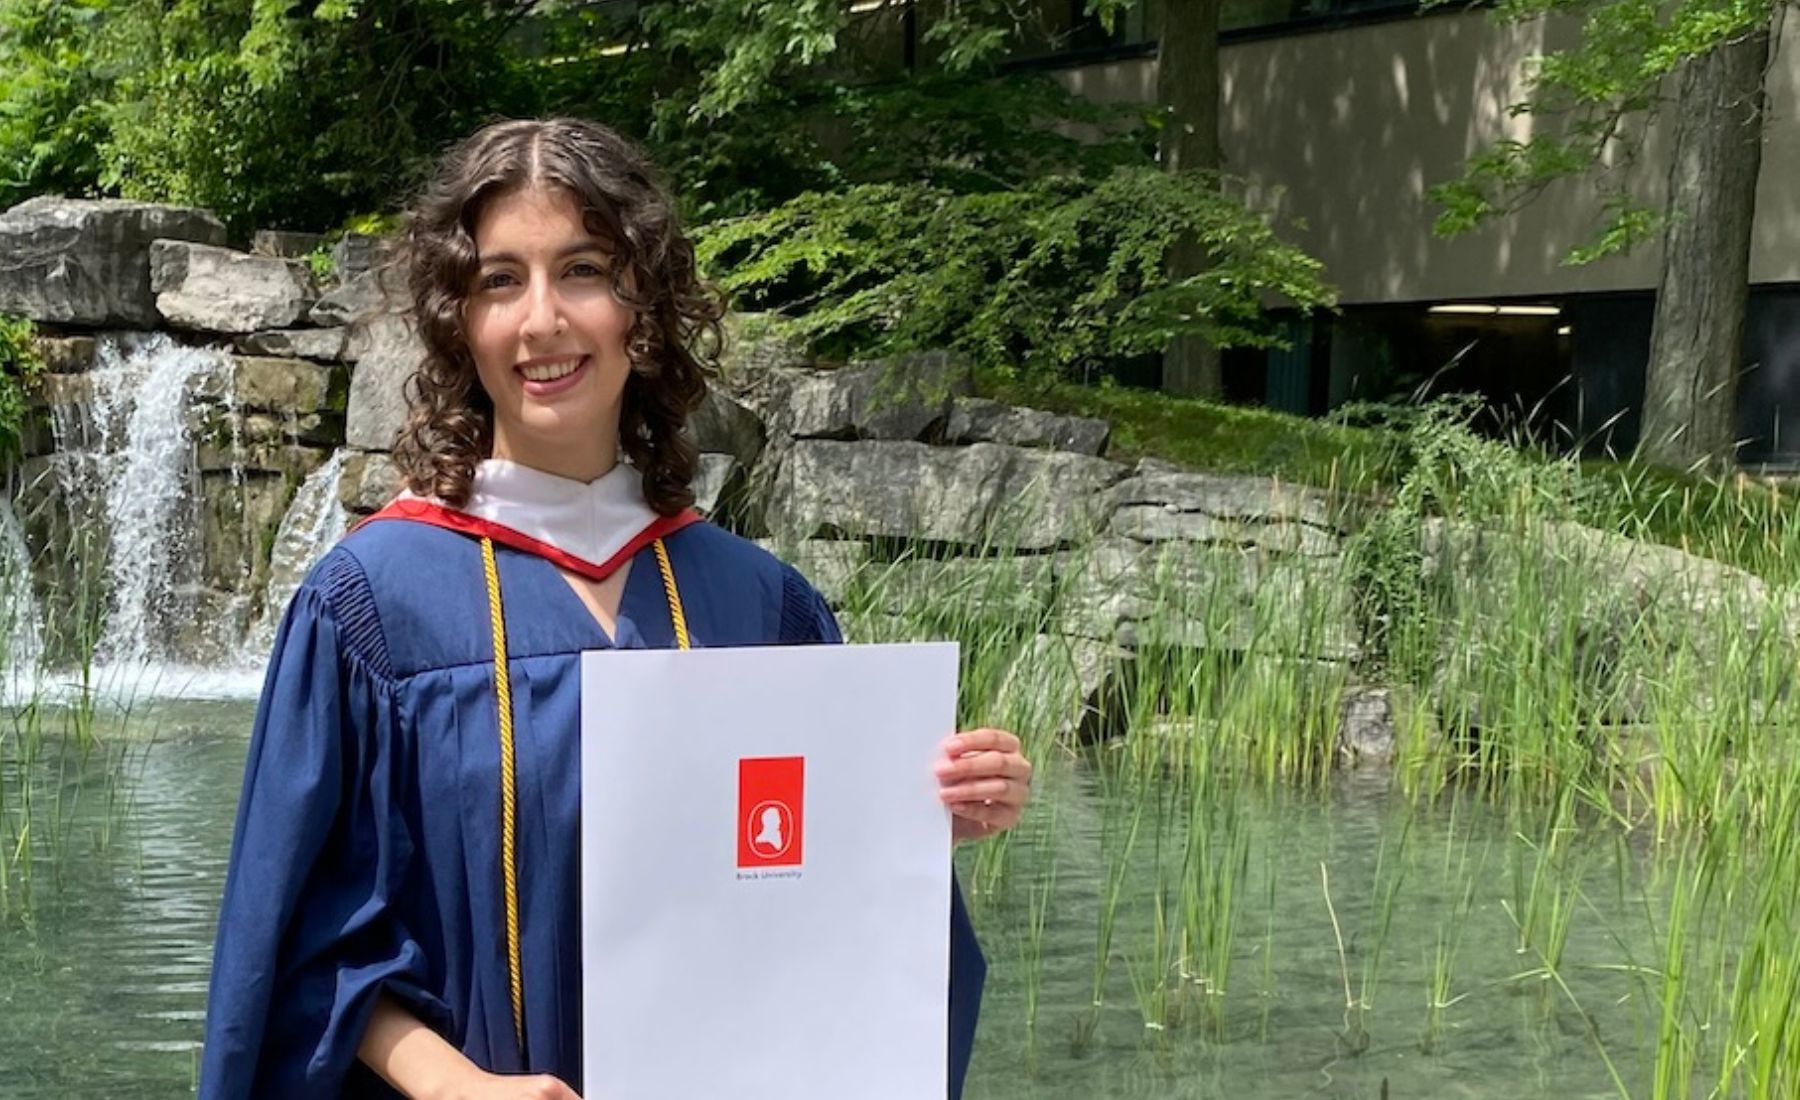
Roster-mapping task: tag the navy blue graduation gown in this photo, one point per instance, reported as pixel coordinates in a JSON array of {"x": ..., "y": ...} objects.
[{"x": 366, "y": 854}]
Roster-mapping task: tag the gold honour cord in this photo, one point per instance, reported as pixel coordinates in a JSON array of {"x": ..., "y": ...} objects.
[{"x": 509, "y": 867}]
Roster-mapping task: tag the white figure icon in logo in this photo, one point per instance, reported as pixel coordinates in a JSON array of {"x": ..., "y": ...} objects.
[
  {"x": 769, "y": 830},
  {"x": 770, "y": 836}
]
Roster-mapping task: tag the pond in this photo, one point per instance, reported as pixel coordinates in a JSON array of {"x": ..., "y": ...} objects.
[{"x": 1351, "y": 912}]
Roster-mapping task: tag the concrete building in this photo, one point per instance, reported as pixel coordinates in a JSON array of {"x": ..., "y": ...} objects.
[{"x": 1340, "y": 115}]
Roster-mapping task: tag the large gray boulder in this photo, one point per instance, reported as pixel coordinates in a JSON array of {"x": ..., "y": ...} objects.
[
  {"x": 1190, "y": 595},
  {"x": 830, "y": 565},
  {"x": 1057, "y": 683},
  {"x": 1159, "y": 504},
  {"x": 1198, "y": 596},
  {"x": 978, "y": 420},
  {"x": 980, "y": 495},
  {"x": 356, "y": 253},
  {"x": 289, "y": 386},
  {"x": 1017, "y": 587},
  {"x": 362, "y": 298},
  {"x": 385, "y": 359},
  {"x": 1639, "y": 631},
  {"x": 287, "y": 243},
  {"x": 212, "y": 289},
  {"x": 900, "y": 398},
  {"x": 722, "y": 425},
  {"x": 714, "y": 483},
  {"x": 1368, "y": 726},
  {"x": 87, "y": 261}
]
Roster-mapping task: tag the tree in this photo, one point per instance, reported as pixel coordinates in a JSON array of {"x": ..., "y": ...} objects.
[
  {"x": 1606, "y": 91},
  {"x": 1023, "y": 248},
  {"x": 879, "y": 207},
  {"x": 1690, "y": 391},
  {"x": 1187, "y": 86}
]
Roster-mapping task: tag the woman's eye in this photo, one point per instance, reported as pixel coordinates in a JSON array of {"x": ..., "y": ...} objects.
[{"x": 584, "y": 270}]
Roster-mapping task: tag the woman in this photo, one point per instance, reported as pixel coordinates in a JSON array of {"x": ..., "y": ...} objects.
[{"x": 401, "y": 911}]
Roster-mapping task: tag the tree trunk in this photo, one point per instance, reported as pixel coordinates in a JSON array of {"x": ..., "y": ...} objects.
[
  {"x": 1187, "y": 92},
  {"x": 1690, "y": 391}
]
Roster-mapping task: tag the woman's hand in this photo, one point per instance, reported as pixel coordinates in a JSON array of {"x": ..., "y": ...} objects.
[
  {"x": 985, "y": 781},
  {"x": 496, "y": 1086},
  {"x": 420, "y": 1064}
]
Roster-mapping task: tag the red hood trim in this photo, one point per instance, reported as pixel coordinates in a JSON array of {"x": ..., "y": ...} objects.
[{"x": 438, "y": 515}]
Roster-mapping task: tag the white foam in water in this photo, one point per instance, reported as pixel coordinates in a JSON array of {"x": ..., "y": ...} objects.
[{"x": 126, "y": 686}]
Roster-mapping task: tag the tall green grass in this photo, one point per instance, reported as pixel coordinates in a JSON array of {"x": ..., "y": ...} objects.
[
  {"x": 60, "y": 749},
  {"x": 1556, "y": 665}
]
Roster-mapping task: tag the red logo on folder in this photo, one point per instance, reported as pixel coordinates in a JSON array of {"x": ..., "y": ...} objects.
[{"x": 771, "y": 810}]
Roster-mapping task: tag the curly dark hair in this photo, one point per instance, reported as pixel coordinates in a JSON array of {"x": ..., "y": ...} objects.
[{"x": 672, "y": 344}]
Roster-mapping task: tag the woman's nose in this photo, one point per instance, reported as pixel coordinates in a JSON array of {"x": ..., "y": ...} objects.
[{"x": 543, "y": 311}]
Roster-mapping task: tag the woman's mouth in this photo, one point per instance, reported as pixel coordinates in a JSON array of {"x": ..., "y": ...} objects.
[{"x": 546, "y": 379}]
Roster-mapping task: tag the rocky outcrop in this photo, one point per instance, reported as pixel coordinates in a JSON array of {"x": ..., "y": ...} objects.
[
  {"x": 978, "y": 420},
  {"x": 973, "y": 496},
  {"x": 901, "y": 398},
  {"x": 1159, "y": 504},
  {"x": 212, "y": 289},
  {"x": 385, "y": 353},
  {"x": 87, "y": 261},
  {"x": 323, "y": 344}
]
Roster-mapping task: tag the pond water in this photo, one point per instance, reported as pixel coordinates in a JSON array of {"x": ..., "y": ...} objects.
[{"x": 104, "y": 960}]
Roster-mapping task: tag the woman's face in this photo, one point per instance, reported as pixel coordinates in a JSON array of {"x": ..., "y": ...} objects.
[{"x": 547, "y": 335}]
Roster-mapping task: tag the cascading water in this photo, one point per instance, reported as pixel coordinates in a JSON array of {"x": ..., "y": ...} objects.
[
  {"x": 146, "y": 443},
  {"x": 147, "y": 482},
  {"x": 18, "y": 606},
  {"x": 313, "y": 523}
]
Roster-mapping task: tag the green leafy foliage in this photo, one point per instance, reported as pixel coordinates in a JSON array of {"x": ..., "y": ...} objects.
[
  {"x": 264, "y": 112},
  {"x": 20, "y": 368},
  {"x": 53, "y": 62},
  {"x": 1046, "y": 277},
  {"x": 940, "y": 204}
]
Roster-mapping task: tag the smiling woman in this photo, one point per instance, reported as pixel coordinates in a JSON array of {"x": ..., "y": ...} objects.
[
  {"x": 401, "y": 912},
  {"x": 530, "y": 226},
  {"x": 548, "y": 335}
]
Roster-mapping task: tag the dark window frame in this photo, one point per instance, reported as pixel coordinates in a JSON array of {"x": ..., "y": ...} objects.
[{"x": 1342, "y": 19}]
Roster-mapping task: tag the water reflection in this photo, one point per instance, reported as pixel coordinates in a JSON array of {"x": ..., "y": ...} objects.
[{"x": 102, "y": 984}]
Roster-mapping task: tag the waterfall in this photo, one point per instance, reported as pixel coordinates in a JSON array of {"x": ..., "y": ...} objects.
[
  {"x": 314, "y": 522},
  {"x": 157, "y": 469},
  {"x": 148, "y": 485},
  {"x": 18, "y": 607}
]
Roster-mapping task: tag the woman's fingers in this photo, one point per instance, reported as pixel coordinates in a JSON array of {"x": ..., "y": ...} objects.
[
  {"x": 977, "y": 821},
  {"x": 981, "y": 740},
  {"x": 985, "y": 790},
  {"x": 982, "y": 765},
  {"x": 985, "y": 781}
]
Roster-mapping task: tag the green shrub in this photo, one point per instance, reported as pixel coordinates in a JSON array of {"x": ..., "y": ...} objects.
[{"x": 20, "y": 368}]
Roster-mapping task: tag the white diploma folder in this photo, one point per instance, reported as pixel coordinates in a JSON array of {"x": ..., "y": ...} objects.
[{"x": 751, "y": 926}]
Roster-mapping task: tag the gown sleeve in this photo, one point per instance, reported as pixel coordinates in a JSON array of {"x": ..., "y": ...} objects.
[
  {"x": 308, "y": 927},
  {"x": 807, "y": 618}
]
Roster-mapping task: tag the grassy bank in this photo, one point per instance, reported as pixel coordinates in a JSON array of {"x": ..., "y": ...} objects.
[{"x": 1746, "y": 521}]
